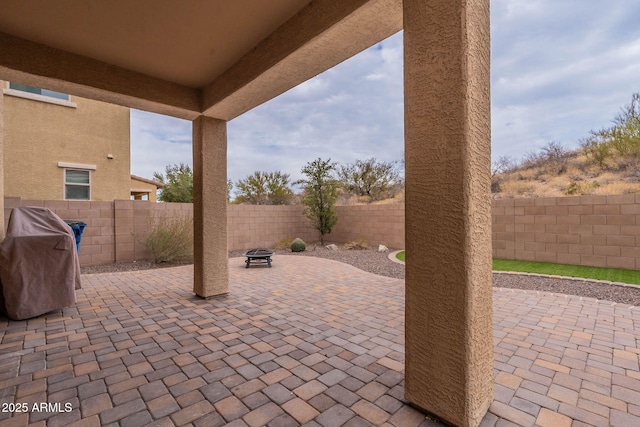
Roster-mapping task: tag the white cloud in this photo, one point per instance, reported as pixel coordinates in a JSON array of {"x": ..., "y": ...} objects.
[
  {"x": 158, "y": 141},
  {"x": 376, "y": 76},
  {"x": 341, "y": 114},
  {"x": 560, "y": 69}
]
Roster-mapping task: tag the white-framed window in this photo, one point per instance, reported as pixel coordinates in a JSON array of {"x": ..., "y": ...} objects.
[
  {"x": 38, "y": 94},
  {"x": 77, "y": 180},
  {"x": 77, "y": 184}
]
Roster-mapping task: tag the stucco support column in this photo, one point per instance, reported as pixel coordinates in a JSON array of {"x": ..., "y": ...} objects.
[
  {"x": 449, "y": 349},
  {"x": 211, "y": 263},
  {"x": 1, "y": 160}
]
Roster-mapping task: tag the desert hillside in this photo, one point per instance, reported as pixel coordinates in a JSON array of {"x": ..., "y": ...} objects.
[
  {"x": 573, "y": 175},
  {"x": 607, "y": 163}
]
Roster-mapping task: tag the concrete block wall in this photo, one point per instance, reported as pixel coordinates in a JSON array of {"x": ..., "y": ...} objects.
[
  {"x": 133, "y": 218},
  {"x": 115, "y": 230},
  {"x": 251, "y": 226},
  {"x": 600, "y": 231},
  {"x": 378, "y": 224}
]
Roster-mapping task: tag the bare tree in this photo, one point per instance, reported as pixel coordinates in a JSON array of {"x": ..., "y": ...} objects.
[
  {"x": 264, "y": 188},
  {"x": 371, "y": 179},
  {"x": 502, "y": 165}
]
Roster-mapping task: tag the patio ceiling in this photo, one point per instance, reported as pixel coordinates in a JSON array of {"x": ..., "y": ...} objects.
[{"x": 217, "y": 58}]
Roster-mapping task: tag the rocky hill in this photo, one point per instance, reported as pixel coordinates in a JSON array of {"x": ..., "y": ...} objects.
[{"x": 607, "y": 163}]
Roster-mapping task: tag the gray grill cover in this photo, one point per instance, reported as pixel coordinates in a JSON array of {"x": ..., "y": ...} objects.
[{"x": 39, "y": 266}]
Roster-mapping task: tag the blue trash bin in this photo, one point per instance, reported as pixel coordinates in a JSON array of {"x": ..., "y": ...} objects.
[{"x": 78, "y": 228}]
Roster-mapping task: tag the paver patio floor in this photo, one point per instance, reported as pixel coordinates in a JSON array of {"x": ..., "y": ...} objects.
[{"x": 308, "y": 342}]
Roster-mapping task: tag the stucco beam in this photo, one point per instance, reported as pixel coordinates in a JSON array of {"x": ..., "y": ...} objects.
[
  {"x": 43, "y": 66},
  {"x": 320, "y": 36}
]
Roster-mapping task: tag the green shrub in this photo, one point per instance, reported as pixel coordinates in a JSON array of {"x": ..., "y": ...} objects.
[
  {"x": 298, "y": 246},
  {"x": 170, "y": 238},
  {"x": 580, "y": 188},
  {"x": 573, "y": 188}
]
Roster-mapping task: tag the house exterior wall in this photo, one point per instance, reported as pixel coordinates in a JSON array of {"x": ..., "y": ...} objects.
[{"x": 38, "y": 135}]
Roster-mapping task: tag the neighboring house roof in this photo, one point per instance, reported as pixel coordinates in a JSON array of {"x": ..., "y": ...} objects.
[{"x": 148, "y": 181}]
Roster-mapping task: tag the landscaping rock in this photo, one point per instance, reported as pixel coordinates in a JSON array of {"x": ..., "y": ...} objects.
[
  {"x": 383, "y": 248},
  {"x": 332, "y": 247}
]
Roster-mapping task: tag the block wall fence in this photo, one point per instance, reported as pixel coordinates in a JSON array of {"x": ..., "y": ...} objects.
[
  {"x": 601, "y": 231},
  {"x": 115, "y": 229}
]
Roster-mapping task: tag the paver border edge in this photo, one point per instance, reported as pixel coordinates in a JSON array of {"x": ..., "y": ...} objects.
[{"x": 392, "y": 257}]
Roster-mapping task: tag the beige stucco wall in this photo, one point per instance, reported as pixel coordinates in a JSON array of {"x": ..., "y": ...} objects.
[{"x": 38, "y": 135}]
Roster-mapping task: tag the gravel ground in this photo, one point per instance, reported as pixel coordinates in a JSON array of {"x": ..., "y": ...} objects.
[{"x": 378, "y": 263}]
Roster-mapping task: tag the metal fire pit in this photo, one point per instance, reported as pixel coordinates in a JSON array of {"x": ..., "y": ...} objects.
[{"x": 258, "y": 256}]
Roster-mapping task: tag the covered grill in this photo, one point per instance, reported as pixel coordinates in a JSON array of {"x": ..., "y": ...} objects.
[{"x": 39, "y": 266}]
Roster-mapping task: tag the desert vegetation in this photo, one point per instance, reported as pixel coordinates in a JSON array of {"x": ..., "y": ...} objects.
[
  {"x": 607, "y": 162},
  {"x": 170, "y": 238}
]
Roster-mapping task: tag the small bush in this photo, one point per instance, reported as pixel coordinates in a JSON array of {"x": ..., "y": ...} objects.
[
  {"x": 170, "y": 238},
  {"x": 576, "y": 188},
  {"x": 357, "y": 245},
  {"x": 596, "y": 151},
  {"x": 298, "y": 246},
  {"x": 283, "y": 243}
]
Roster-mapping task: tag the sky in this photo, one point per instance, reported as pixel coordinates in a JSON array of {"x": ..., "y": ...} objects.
[{"x": 558, "y": 70}]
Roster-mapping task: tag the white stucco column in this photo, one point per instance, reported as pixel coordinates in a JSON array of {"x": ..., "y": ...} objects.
[
  {"x": 211, "y": 264},
  {"x": 449, "y": 349}
]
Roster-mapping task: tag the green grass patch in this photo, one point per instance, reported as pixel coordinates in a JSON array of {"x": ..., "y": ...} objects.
[{"x": 599, "y": 273}]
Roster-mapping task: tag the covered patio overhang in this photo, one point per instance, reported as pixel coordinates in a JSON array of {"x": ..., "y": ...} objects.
[{"x": 210, "y": 62}]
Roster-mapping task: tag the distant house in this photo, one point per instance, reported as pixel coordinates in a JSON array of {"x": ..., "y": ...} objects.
[
  {"x": 59, "y": 147},
  {"x": 144, "y": 189}
]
